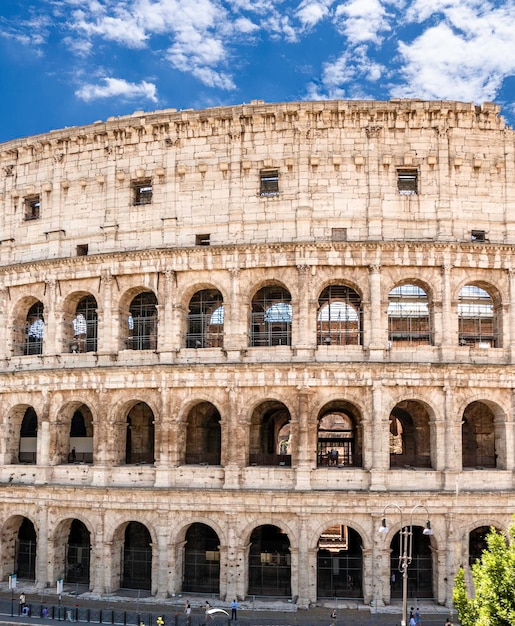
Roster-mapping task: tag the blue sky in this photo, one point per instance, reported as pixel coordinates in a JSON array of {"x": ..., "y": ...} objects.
[{"x": 73, "y": 62}]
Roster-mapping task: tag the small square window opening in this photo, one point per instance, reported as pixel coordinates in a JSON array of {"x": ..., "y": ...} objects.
[
  {"x": 142, "y": 191},
  {"x": 82, "y": 249},
  {"x": 269, "y": 183},
  {"x": 478, "y": 235},
  {"x": 407, "y": 182},
  {"x": 202, "y": 240},
  {"x": 32, "y": 207}
]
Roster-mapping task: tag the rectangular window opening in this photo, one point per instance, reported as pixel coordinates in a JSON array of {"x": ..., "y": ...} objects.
[
  {"x": 82, "y": 249},
  {"x": 478, "y": 235},
  {"x": 203, "y": 240},
  {"x": 269, "y": 183},
  {"x": 407, "y": 182},
  {"x": 339, "y": 234},
  {"x": 142, "y": 191},
  {"x": 32, "y": 206}
]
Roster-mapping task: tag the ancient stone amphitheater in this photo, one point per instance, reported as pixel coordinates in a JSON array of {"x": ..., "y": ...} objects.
[{"x": 232, "y": 341}]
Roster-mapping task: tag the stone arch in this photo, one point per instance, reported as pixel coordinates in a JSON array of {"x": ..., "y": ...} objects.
[
  {"x": 80, "y": 331},
  {"x": 203, "y": 434},
  {"x": 340, "y": 435},
  {"x": 271, "y": 316},
  {"x": 21, "y": 434},
  {"x": 270, "y": 434},
  {"x": 421, "y": 579},
  {"x": 138, "y": 319},
  {"x": 410, "y": 434},
  {"x": 132, "y": 553},
  {"x": 340, "y": 562},
  {"x": 19, "y": 540},
  {"x": 483, "y": 443},
  {"x": 205, "y": 319},
  {"x": 269, "y": 562},
  {"x": 201, "y": 559},
  {"x": 72, "y": 550},
  {"x": 339, "y": 315},
  {"x": 410, "y": 313},
  {"x": 73, "y": 434},
  {"x": 28, "y": 326},
  {"x": 480, "y": 315}
]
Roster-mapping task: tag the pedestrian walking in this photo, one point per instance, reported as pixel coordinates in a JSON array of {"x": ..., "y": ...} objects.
[
  {"x": 208, "y": 615},
  {"x": 418, "y": 619},
  {"x": 333, "y": 617},
  {"x": 187, "y": 612}
]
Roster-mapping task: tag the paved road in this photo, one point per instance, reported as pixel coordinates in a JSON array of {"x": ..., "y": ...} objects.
[{"x": 119, "y": 610}]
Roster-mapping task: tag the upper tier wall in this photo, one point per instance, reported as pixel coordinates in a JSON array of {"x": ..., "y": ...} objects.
[{"x": 72, "y": 191}]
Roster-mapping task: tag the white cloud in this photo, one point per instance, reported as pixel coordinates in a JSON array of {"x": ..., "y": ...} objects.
[
  {"x": 362, "y": 20},
  {"x": 310, "y": 12},
  {"x": 465, "y": 57},
  {"x": 117, "y": 87}
]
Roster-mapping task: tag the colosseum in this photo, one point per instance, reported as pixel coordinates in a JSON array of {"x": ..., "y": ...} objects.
[{"x": 236, "y": 342}]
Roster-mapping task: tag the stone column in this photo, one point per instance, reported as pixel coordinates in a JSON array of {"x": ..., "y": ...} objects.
[
  {"x": 453, "y": 444},
  {"x": 510, "y": 334},
  {"x": 375, "y": 208},
  {"x": 45, "y": 556},
  {"x": 235, "y": 555},
  {"x": 446, "y": 180},
  {"x": 303, "y": 442},
  {"x": 167, "y": 284},
  {"x": 379, "y": 446},
  {"x": 162, "y": 434},
  {"x": 378, "y": 332},
  {"x": 108, "y": 318},
  {"x": 304, "y": 323},
  {"x": 5, "y": 324},
  {"x": 380, "y": 557},
  {"x": 160, "y": 559},
  {"x": 52, "y": 337},
  {"x": 449, "y": 336},
  {"x": 307, "y": 565},
  {"x": 234, "y": 442},
  {"x": 236, "y": 319}
]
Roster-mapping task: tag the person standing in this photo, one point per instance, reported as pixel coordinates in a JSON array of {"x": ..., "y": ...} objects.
[
  {"x": 418, "y": 619},
  {"x": 22, "y": 603},
  {"x": 208, "y": 615},
  {"x": 234, "y": 610}
]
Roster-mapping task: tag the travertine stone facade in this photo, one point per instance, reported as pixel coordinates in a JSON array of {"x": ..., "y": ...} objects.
[{"x": 258, "y": 284}]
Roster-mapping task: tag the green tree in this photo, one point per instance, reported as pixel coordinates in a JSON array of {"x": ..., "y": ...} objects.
[{"x": 494, "y": 582}]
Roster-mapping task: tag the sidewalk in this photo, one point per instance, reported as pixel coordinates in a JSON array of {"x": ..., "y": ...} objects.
[{"x": 251, "y": 612}]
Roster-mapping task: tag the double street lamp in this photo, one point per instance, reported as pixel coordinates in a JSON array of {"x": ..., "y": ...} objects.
[{"x": 405, "y": 548}]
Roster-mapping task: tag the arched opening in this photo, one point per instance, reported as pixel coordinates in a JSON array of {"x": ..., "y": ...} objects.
[
  {"x": 203, "y": 435},
  {"x": 78, "y": 552},
  {"x": 477, "y": 543},
  {"x": 81, "y": 436},
  {"x": 340, "y": 563},
  {"x": 142, "y": 322},
  {"x": 410, "y": 435},
  {"x": 409, "y": 319},
  {"x": 34, "y": 330},
  {"x": 271, "y": 317},
  {"x": 26, "y": 551},
  {"x": 205, "y": 320},
  {"x": 339, "y": 320},
  {"x": 478, "y": 437},
  {"x": 270, "y": 435},
  {"x": 136, "y": 557},
  {"x": 420, "y": 570},
  {"x": 339, "y": 436},
  {"x": 28, "y": 437},
  {"x": 269, "y": 562},
  {"x": 201, "y": 560},
  {"x": 139, "y": 442},
  {"x": 478, "y": 318},
  {"x": 84, "y": 327}
]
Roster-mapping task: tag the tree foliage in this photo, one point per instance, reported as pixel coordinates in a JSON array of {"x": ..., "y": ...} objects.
[{"x": 494, "y": 582}]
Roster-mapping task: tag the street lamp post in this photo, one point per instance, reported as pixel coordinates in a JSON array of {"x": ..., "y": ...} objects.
[{"x": 405, "y": 548}]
